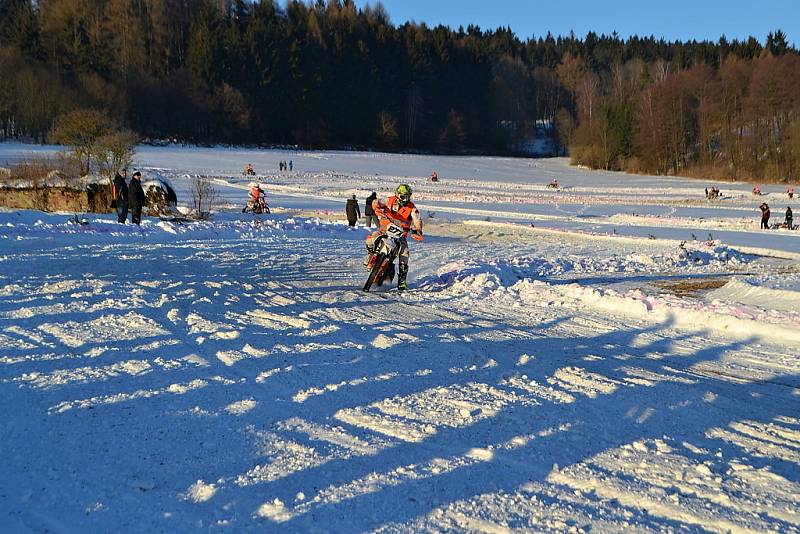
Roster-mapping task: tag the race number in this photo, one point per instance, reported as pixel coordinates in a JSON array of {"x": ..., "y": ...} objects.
[{"x": 395, "y": 231}]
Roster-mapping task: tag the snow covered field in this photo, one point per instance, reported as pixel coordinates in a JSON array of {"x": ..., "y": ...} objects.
[{"x": 566, "y": 365}]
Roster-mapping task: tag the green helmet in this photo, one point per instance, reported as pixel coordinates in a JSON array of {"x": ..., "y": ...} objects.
[{"x": 403, "y": 193}]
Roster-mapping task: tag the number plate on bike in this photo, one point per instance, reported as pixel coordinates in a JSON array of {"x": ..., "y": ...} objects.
[{"x": 395, "y": 231}]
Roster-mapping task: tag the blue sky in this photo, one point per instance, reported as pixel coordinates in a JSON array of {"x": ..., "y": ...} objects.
[{"x": 672, "y": 19}]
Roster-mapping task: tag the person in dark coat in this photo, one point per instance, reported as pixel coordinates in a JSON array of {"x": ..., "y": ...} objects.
[
  {"x": 136, "y": 198},
  {"x": 353, "y": 211},
  {"x": 369, "y": 211},
  {"x": 120, "y": 200},
  {"x": 764, "y": 207},
  {"x": 789, "y": 217}
]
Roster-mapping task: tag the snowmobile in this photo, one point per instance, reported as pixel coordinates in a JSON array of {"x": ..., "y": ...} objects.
[
  {"x": 256, "y": 206},
  {"x": 383, "y": 252}
]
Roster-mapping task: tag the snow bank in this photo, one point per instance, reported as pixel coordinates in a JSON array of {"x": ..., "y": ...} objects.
[
  {"x": 30, "y": 225},
  {"x": 506, "y": 272},
  {"x": 520, "y": 282},
  {"x": 751, "y": 291},
  {"x": 54, "y": 179},
  {"x": 734, "y": 320},
  {"x": 738, "y": 321}
]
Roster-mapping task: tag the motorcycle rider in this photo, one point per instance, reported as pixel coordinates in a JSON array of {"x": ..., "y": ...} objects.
[
  {"x": 255, "y": 192},
  {"x": 397, "y": 209},
  {"x": 257, "y": 200}
]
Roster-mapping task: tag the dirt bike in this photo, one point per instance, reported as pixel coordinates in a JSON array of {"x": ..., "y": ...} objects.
[
  {"x": 384, "y": 251},
  {"x": 257, "y": 206}
]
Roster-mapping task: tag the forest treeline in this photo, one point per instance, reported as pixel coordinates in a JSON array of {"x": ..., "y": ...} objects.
[{"x": 328, "y": 74}]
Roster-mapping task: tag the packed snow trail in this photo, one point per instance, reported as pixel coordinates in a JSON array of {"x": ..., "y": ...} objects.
[{"x": 231, "y": 375}]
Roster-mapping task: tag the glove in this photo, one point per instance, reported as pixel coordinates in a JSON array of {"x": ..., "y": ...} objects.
[{"x": 417, "y": 235}]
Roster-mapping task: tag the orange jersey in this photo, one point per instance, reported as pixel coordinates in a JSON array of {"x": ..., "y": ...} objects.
[{"x": 405, "y": 216}]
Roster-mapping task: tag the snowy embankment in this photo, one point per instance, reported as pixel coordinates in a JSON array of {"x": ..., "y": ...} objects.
[
  {"x": 25, "y": 225},
  {"x": 779, "y": 293},
  {"x": 524, "y": 281}
]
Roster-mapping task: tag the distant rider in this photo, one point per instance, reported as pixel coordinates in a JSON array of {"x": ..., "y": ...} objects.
[
  {"x": 255, "y": 193},
  {"x": 398, "y": 209},
  {"x": 257, "y": 200}
]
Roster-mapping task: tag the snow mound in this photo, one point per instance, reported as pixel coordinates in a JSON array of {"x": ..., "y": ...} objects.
[
  {"x": 730, "y": 319},
  {"x": 31, "y": 225},
  {"x": 751, "y": 292},
  {"x": 736, "y": 320},
  {"x": 476, "y": 276},
  {"x": 524, "y": 281},
  {"x": 200, "y": 492}
]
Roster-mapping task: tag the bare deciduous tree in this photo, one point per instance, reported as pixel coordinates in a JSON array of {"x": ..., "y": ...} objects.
[{"x": 204, "y": 196}]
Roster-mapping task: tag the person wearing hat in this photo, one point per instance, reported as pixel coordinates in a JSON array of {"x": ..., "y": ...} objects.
[
  {"x": 119, "y": 195},
  {"x": 136, "y": 198}
]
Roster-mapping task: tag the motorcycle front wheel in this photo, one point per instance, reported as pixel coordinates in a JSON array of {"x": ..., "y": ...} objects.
[{"x": 376, "y": 271}]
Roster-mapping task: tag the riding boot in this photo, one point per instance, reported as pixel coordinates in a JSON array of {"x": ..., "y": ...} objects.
[{"x": 402, "y": 273}]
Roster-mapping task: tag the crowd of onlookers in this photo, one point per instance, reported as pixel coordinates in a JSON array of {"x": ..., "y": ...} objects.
[{"x": 128, "y": 196}]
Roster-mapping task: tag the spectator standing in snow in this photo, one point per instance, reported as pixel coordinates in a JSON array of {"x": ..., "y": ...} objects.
[
  {"x": 353, "y": 211},
  {"x": 291, "y": 165},
  {"x": 120, "y": 194},
  {"x": 789, "y": 217},
  {"x": 369, "y": 211},
  {"x": 764, "y": 207},
  {"x": 136, "y": 198},
  {"x": 790, "y": 192}
]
